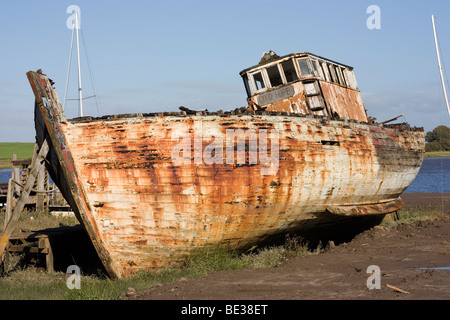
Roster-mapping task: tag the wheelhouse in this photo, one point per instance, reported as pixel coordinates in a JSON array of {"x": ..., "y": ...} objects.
[{"x": 303, "y": 83}]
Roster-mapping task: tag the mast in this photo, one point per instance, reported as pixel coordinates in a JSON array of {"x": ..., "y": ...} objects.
[
  {"x": 79, "y": 67},
  {"x": 439, "y": 65},
  {"x": 68, "y": 70}
]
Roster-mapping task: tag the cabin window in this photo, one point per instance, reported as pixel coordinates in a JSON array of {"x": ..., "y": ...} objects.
[
  {"x": 247, "y": 85},
  {"x": 289, "y": 71},
  {"x": 325, "y": 71},
  {"x": 333, "y": 73},
  {"x": 340, "y": 77},
  {"x": 315, "y": 68},
  {"x": 305, "y": 69},
  {"x": 344, "y": 75},
  {"x": 351, "y": 79},
  {"x": 258, "y": 81},
  {"x": 274, "y": 76}
]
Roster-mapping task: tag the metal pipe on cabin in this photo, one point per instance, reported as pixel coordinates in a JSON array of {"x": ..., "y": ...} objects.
[
  {"x": 439, "y": 65},
  {"x": 77, "y": 26},
  {"x": 390, "y": 120}
]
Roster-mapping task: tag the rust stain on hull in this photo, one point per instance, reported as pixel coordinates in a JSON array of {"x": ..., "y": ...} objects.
[{"x": 144, "y": 211}]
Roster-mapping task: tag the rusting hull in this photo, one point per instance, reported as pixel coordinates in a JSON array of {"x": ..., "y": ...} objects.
[{"x": 144, "y": 210}]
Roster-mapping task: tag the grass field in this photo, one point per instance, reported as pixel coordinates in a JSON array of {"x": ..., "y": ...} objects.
[
  {"x": 23, "y": 150},
  {"x": 33, "y": 284},
  {"x": 437, "y": 154}
]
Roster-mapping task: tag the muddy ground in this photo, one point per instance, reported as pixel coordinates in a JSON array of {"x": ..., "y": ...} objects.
[{"x": 341, "y": 271}]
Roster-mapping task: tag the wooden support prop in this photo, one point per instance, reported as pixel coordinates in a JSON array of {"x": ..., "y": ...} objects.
[{"x": 36, "y": 166}]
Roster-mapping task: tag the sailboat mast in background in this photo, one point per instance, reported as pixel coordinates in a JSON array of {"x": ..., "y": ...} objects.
[
  {"x": 80, "y": 96},
  {"x": 75, "y": 29},
  {"x": 439, "y": 65}
]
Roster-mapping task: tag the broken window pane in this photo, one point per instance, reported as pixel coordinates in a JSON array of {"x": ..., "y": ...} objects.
[
  {"x": 325, "y": 71},
  {"x": 344, "y": 75},
  {"x": 274, "y": 76},
  {"x": 351, "y": 79},
  {"x": 333, "y": 73},
  {"x": 305, "y": 69},
  {"x": 314, "y": 65},
  {"x": 258, "y": 80},
  {"x": 289, "y": 71},
  {"x": 341, "y": 78},
  {"x": 247, "y": 85}
]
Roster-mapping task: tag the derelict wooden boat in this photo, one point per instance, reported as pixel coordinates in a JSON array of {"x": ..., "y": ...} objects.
[{"x": 149, "y": 188}]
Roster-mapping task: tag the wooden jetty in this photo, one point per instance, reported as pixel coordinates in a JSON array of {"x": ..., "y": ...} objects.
[
  {"x": 53, "y": 249},
  {"x": 43, "y": 196},
  {"x": 29, "y": 186}
]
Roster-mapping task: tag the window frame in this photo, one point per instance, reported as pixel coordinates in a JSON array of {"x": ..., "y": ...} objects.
[
  {"x": 254, "y": 87},
  {"x": 333, "y": 74},
  {"x": 340, "y": 75},
  {"x": 280, "y": 72},
  {"x": 316, "y": 71},
  {"x": 311, "y": 74},
  {"x": 326, "y": 71},
  {"x": 283, "y": 74},
  {"x": 247, "y": 85}
]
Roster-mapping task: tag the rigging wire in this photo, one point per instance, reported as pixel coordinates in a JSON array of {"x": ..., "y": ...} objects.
[
  {"x": 90, "y": 73},
  {"x": 68, "y": 69},
  {"x": 443, "y": 63},
  {"x": 98, "y": 105},
  {"x": 439, "y": 63}
]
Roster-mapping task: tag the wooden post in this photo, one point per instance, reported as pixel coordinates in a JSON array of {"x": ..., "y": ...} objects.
[
  {"x": 44, "y": 243},
  {"x": 9, "y": 202},
  {"x": 36, "y": 164},
  {"x": 15, "y": 175},
  {"x": 40, "y": 187}
]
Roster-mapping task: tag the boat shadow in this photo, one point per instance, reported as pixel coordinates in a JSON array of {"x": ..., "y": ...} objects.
[
  {"x": 329, "y": 229},
  {"x": 71, "y": 245}
]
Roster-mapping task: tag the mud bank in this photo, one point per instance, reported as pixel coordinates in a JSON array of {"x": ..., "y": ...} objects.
[{"x": 411, "y": 257}]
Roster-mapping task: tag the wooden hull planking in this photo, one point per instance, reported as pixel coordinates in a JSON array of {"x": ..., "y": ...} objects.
[{"x": 144, "y": 211}]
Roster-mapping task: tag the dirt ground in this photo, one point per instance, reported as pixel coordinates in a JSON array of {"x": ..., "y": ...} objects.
[{"x": 413, "y": 261}]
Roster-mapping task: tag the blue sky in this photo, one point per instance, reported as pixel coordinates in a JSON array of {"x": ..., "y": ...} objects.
[{"x": 152, "y": 56}]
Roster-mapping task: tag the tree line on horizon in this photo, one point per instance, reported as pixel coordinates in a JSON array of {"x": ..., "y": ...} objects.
[{"x": 438, "y": 139}]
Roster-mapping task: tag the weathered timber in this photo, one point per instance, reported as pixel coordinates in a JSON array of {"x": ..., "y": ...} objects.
[
  {"x": 352, "y": 210},
  {"x": 9, "y": 202},
  {"x": 33, "y": 243},
  {"x": 36, "y": 166}
]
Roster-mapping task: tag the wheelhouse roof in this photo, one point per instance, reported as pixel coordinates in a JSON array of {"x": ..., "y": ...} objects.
[{"x": 295, "y": 54}]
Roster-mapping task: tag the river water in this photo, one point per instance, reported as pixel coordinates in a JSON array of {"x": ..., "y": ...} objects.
[{"x": 434, "y": 176}]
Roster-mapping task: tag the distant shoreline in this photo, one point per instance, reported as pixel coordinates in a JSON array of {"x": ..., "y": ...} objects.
[{"x": 437, "y": 154}]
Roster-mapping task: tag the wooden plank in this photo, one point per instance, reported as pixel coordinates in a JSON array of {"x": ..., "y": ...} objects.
[
  {"x": 36, "y": 165},
  {"x": 15, "y": 175},
  {"x": 396, "y": 288},
  {"x": 40, "y": 187},
  {"x": 21, "y": 162},
  {"x": 19, "y": 249},
  {"x": 9, "y": 202},
  {"x": 44, "y": 245},
  {"x": 378, "y": 208}
]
